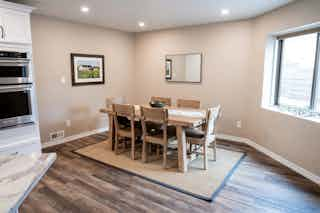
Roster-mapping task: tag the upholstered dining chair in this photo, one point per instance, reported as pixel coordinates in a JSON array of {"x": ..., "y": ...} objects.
[
  {"x": 166, "y": 101},
  {"x": 123, "y": 120},
  {"x": 205, "y": 138},
  {"x": 184, "y": 103},
  {"x": 118, "y": 100},
  {"x": 125, "y": 131},
  {"x": 155, "y": 130}
]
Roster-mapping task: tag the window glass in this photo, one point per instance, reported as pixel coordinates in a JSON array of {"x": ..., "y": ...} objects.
[{"x": 296, "y": 70}]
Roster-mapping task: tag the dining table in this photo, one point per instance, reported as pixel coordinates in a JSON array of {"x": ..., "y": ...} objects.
[{"x": 181, "y": 118}]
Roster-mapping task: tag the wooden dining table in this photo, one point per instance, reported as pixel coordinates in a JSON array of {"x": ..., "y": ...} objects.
[{"x": 181, "y": 118}]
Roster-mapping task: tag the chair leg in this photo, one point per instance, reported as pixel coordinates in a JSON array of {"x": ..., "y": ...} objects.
[
  {"x": 133, "y": 141},
  {"x": 165, "y": 148},
  {"x": 116, "y": 143},
  {"x": 158, "y": 151},
  {"x": 205, "y": 156},
  {"x": 144, "y": 151},
  {"x": 214, "y": 151},
  {"x": 150, "y": 148}
]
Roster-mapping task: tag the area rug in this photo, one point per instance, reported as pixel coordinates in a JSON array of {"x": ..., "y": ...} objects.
[{"x": 202, "y": 184}]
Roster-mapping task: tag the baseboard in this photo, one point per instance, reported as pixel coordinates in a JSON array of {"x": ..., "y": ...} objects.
[
  {"x": 73, "y": 137},
  {"x": 307, "y": 174},
  {"x": 287, "y": 163}
]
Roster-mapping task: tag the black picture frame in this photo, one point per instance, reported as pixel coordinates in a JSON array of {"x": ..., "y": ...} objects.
[
  {"x": 168, "y": 69},
  {"x": 91, "y": 80}
]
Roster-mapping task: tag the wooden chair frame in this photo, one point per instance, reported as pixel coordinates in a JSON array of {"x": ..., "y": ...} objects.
[
  {"x": 184, "y": 103},
  {"x": 209, "y": 138},
  {"x": 158, "y": 116},
  {"x": 129, "y": 112}
]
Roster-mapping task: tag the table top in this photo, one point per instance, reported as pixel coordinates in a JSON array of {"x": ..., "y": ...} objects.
[
  {"x": 19, "y": 174},
  {"x": 186, "y": 117}
]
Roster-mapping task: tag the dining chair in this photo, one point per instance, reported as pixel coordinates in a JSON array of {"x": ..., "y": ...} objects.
[
  {"x": 205, "y": 138},
  {"x": 184, "y": 103},
  {"x": 125, "y": 131},
  {"x": 115, "y": 100},
  {"x": 123, "y": 120},
  {"x": 166, "y": 101},
  {"x": 155, "y": 130}
]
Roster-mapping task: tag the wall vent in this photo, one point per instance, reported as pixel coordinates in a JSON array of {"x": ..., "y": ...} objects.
[{"x": 56, "y": 135}]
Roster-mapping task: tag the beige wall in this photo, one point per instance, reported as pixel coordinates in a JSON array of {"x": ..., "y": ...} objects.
[
  {"x": 233, "y": 63},
  {"x": 233, "y": 69},
  {"x": 295, "y": 139},
  {"x": 225, "y": 49},
  {"x": 53, "y": 41}
]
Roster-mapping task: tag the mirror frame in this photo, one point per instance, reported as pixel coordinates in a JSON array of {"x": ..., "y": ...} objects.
[{"x": 191, "y": 53}]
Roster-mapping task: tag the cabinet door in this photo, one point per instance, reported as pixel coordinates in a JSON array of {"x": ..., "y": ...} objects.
[
  {"x": 2, "y": 38},
  {"x": 16, "y": 27}
]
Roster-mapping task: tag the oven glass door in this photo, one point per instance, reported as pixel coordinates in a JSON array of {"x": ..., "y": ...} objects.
[
  {"x": 14, "y": 71},
  {"x": 15, "y": 105}
]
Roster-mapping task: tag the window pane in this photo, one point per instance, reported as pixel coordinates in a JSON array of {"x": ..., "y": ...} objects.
[
  {"x": 297, "y": 67},
  {"x": 317, "y": 100}
]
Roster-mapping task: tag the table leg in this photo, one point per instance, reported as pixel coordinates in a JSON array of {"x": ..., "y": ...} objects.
[
  {"x": 182, "y": 149},
  {"x": 111, "y": 131}
]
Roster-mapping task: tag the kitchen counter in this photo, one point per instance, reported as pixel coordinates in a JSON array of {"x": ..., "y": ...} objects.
[{"x": 19, "y": 174}]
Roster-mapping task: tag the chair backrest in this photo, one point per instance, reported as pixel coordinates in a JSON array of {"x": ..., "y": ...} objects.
[
  {"x": 194, "y": 104},
  {"x": 154, "y": 117},
  {"x": 157, "y": 115},
  {"x": 166, "y": 101},
  {"x": 115, "y": 100},
  {"x": 212, "y": 116},
  {"x": 123, "y": 111}
]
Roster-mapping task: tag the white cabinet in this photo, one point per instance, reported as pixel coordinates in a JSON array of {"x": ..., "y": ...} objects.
[
  {"x": 16, "y": 27},
  {"x": 15, "y": 23}
]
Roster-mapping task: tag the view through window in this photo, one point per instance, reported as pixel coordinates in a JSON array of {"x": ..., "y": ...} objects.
[{"x": 297, "y": 81}]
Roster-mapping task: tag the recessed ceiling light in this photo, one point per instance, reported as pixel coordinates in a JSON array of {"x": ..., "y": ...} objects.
[
  {"x": 84, "y": 9},
  {"x": 225, "y": 12},
  {"x": 141, "y": 24}
]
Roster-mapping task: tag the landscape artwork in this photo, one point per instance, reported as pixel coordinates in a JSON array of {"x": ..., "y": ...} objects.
[{"x": 87, "y": 69}]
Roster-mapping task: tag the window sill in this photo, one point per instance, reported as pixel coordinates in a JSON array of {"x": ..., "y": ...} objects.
[{"x": 308, "y": 118}]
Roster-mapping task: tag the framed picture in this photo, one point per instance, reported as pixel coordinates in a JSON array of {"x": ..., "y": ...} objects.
[
  {"x": 168, "y": 69},
  {"x": 87, "y": 69}
]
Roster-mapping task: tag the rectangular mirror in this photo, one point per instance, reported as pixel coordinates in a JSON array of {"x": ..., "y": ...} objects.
[{"x": 183, "y": 68}]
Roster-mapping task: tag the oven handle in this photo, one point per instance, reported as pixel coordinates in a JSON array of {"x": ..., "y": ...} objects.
[
  {"x": 14, "y": 61},
  {"x": 15, "y": 88}
]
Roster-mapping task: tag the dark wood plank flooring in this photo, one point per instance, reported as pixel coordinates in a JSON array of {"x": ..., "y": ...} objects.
[{"x": 78, "y": 184}]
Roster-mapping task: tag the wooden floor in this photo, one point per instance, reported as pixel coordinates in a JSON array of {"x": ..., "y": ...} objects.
[{"x": 77, "y": 184}]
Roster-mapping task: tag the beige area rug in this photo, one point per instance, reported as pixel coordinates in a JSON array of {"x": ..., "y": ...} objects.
[{"x": 196, "y": 182}]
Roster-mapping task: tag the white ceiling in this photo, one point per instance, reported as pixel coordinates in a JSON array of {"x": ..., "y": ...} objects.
[{"x": 157, "y": 14}]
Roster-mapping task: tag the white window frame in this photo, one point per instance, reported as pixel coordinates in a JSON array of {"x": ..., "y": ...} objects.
[{"x": 272, "y": 69}]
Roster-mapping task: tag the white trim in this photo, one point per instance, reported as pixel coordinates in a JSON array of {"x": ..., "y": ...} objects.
[
  {"x": 297, "y": 29},
  {"x": 315, "y": 119},
  {"x": 73, "y": 137},
  {"x": 307, "y": 174},
  {"x": 16, "y": 6},
  {"x": 232, "y": 138}
]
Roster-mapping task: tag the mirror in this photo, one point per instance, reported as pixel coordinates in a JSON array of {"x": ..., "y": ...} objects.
[{"x": 183, "y": 68}]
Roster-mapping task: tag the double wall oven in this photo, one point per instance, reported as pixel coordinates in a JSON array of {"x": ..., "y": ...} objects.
[{"x": 16, "y": 89}]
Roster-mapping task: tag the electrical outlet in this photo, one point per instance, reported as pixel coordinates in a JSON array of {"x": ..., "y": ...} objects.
[
  {"x": 68, "y": 123},
  {"x": 239, "y": 124},
  {"x": 57, "y": 135}
]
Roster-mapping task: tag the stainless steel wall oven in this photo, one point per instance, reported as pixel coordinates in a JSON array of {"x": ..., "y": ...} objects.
[
  {"x": 15, "y": 105},
  {"x": 14, "y": 68},
  {"x": 16, "y": 89}
]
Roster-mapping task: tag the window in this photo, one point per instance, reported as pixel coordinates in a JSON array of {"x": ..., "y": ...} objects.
[{"x": 297, "y": 85}]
